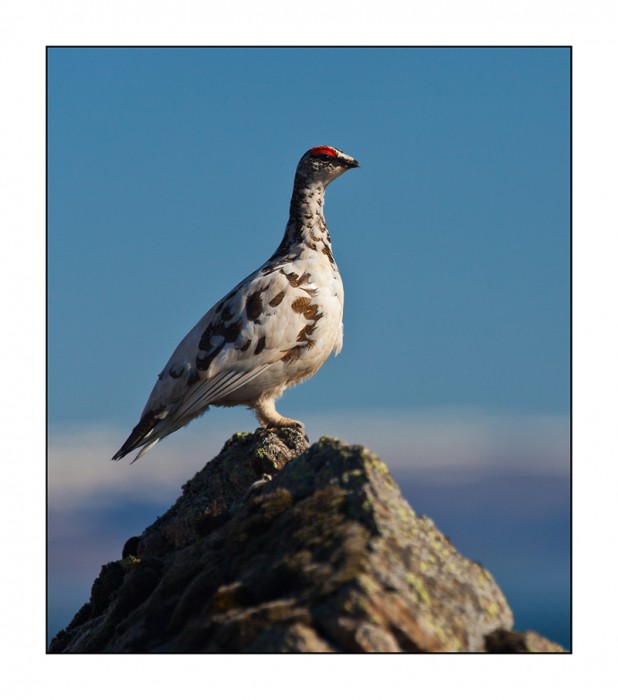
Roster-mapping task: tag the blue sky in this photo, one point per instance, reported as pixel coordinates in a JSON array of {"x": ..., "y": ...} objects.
[
  {"x": 170, "y": 173},
  {"x": 169, "y": 176}
]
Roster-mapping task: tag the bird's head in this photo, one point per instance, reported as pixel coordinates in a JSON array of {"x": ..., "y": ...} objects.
[{"x": 324, "y": 163}]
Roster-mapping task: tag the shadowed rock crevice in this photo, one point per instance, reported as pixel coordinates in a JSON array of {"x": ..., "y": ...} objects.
[{"x": 323, "y": 556}]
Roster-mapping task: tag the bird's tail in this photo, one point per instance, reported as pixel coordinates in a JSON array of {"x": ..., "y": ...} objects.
[{"x": 142, "y": 436}]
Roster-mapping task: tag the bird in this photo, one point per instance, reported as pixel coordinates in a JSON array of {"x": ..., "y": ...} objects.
[{"x": 273, "y": 330}]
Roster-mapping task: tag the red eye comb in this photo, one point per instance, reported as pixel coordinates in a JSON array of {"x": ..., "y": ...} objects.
[{"x": 323, "y": 151}]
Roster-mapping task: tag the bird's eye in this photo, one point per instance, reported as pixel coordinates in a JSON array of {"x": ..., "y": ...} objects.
[{"x": 323, "y": 157}]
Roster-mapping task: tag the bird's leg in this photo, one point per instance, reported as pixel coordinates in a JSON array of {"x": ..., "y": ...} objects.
[{"x": 267, "y": 415}]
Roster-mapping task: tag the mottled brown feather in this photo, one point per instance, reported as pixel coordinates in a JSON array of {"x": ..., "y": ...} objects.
[
  {"x": 254, "y": 306},
  {"x": 291, "y": 355},
  {"x": 275, "y": 301},
  {"x": 261, "y": 344}
]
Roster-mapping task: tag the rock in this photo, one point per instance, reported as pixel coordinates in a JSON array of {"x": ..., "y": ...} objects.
[
  {"x": 322, "y": 554},
  {"x": 508, "y": 642}
]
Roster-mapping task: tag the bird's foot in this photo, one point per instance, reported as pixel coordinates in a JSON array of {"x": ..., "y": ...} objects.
[
  {"x": 294, "y": 424},
  {"x": 271, "y": 420}
]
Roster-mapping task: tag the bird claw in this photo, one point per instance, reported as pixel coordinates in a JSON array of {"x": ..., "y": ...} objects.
[{"x": 293, "y": 424}]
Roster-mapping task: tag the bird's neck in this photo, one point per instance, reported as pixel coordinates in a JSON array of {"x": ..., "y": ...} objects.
[
  {"x": 307, "y": 203},
  {"x": 306, "y": 228}
]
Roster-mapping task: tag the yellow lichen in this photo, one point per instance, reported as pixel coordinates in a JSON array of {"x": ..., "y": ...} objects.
[
  {"x": 492, "y": 610},
  {"x": 419, "y": 587}
]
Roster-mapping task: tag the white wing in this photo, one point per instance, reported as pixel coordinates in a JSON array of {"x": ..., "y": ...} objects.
[{"x": 268, "y": 318}]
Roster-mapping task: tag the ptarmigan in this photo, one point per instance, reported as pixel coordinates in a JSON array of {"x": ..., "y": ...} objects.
[{"x": 274, "y": 329}]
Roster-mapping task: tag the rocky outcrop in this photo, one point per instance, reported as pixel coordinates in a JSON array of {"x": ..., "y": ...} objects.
[{"x": 277, "y": 546}]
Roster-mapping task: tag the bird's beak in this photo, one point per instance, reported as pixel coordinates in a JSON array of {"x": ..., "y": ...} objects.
[{"x": 353, "y": 164}]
